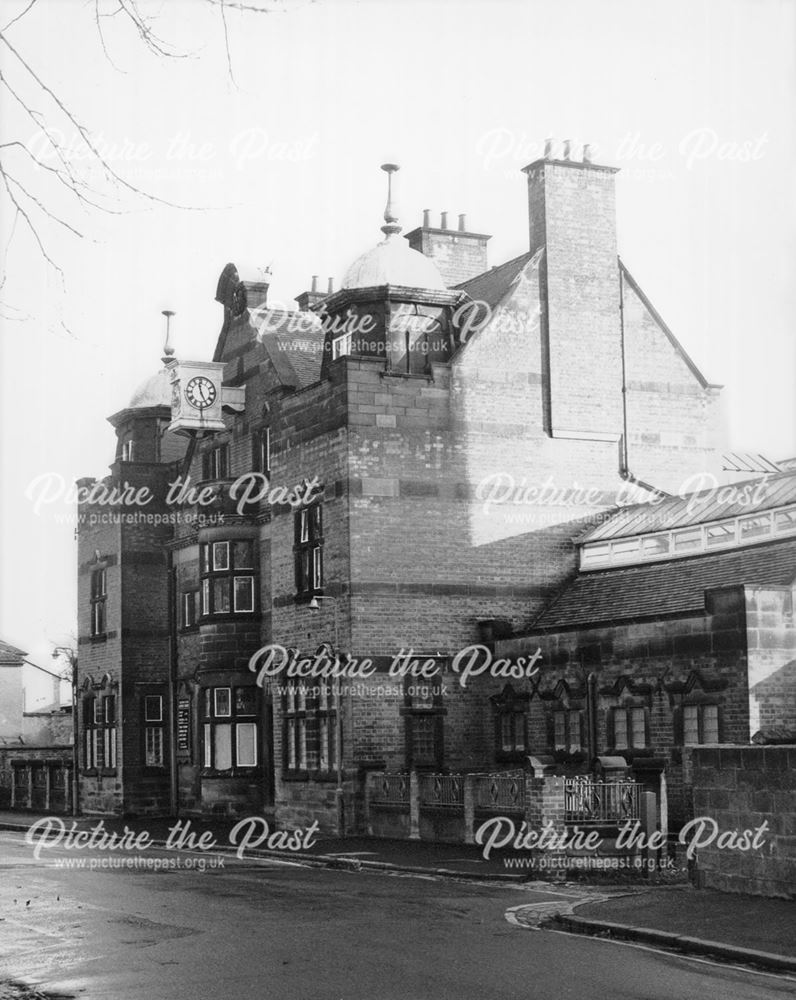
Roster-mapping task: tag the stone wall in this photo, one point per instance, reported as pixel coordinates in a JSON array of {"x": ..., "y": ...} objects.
[{"x": 740, "y": 789}]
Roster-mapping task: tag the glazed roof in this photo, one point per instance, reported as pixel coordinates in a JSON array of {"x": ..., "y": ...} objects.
[{"x": 716, "y": 503}]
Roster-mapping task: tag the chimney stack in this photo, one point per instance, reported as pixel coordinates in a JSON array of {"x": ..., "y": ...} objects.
[
  {"x": 459, "y": 254},
  {"x": 581, "y": 277},
  {"x": 311, "y": 298}
]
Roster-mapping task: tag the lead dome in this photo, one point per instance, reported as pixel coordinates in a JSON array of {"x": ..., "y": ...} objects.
[{"x": 154, "y": 391}]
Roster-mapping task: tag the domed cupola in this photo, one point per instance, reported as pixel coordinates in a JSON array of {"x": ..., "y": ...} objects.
[
  {"x": 393, "y": 261},
  {"x": 392, "y": 305}
]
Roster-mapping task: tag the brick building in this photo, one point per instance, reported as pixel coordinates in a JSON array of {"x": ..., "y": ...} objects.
[{"x": 435, "y": 437}]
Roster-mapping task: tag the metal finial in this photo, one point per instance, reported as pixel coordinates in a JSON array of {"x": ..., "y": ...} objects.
[
  {"x": 391, "y": 224},
  {"x": 168, "y": 350}
]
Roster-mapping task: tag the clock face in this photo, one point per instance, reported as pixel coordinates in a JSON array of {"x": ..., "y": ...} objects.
[{"x": 200, "y": 392}]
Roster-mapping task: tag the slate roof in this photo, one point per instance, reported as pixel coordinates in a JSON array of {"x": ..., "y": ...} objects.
[
  {"x": 294, "y": 343},
  {"x": 9, "y": 653},
  {"x": 492, "y": 286},
  {"x": 666, "y": 588},
  {"x": 697, "y": 508}
]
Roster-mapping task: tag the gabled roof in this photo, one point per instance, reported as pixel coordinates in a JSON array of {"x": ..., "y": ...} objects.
[
  {"x": 492, "y": 286},
  {"x": 294, "y": 343},
  {"x": 9, "y": 653},
  {"x": 733, "y": 500},
  {"x": 666, "y": 588}
]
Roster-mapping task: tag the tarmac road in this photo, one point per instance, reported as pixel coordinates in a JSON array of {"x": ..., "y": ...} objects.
[{"x": 263, "y": 929}]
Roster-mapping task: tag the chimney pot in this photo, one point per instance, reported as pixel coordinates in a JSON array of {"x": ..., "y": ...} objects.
[
  {"x": 548, "y": 149},
  {"x": 462, "y": 223},
  {"x": 567, "y": 149},
  {"x": 443, "y": 221},
  {"x": 426, "y": 218},
  {"x": 314, "y": 283},
  {"x": 331, "y": 286},
  {"x": 587, "y": 152}
]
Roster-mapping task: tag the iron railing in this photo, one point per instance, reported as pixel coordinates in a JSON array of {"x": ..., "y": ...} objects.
[
  {"x": 500, "y": 792},
  {"x": 391, "y": 789},
  {"x": 442, "y": 790},
  {"x": 600, "y": 802}
]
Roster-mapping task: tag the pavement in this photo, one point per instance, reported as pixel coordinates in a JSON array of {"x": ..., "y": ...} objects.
[{"x": 744, "y": 930}]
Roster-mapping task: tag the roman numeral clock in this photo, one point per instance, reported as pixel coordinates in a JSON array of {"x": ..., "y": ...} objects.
[{"x": 198, "y": 398}]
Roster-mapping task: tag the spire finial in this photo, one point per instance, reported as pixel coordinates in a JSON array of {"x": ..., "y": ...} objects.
[
  {"x": 391, "y": 225},
  {"x": 168, "y": 349}
]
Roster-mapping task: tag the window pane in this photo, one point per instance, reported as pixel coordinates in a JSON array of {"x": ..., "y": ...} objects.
[
  {"x": 595, "y": 553},
  {"x": 656, "y": 545},
  {"x": 620, "y": 729},
  {"x": 423, "y": 743},
  {"x": 316, "y": 514},
  {"x": 574, "y": 730},
  {"x": 560, "y": 727},
  {"x": 153, "y": 708},
  {"x": 244, "y": 593},
  {"x": 208, "y": 746},
  {"x": 243, "y": 554},
  {"x": 205, "y": 597},
  {"x": 519, "y": 731},
  {"x": 506, "y": 742},
  {"x": 222, "y": 702},
  {"x": 304, "y": 529},
  {"x": 754, "y": 526},
  {"x": 301, "y": 731},
  {"x": 221, "y": 596},
  {"x": 721, "y": 534},
  {"x": 205, "y": 555},
  {"x": 710, "y": 724},
  {"x": 246, "y": 747},
  {"x": 639, "y": 727},
  {"x": 245, "y": 701},
  {"x": 290, "y": 740},
  {"x": 785, "y": 520},
  {"x": 220, "y": 555},
  {"x": 222, "y": 747},
  {"x": 154, "y": 746},
  {"x": 317, "y": 567},
  {"x": 323, "y": 742},
  {"x": 685, "y": 541},
  {"x": 691, "y": 725}
]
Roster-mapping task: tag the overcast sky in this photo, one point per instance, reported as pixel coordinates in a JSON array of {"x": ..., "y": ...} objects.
[{"x": 694, "y": 101}]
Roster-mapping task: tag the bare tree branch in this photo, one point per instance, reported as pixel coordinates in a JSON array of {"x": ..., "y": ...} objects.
[
  {"x": 226, "y": 42},
  {"x": 19, "y": 16}
]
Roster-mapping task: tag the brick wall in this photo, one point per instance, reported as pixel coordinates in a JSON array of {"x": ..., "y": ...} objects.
[{"x": 741, "y": 788}]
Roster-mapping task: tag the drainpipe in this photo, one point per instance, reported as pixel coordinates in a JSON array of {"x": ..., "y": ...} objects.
[{"x": 172, "y": 639}]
